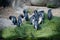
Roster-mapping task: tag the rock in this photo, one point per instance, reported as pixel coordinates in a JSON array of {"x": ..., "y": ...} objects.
[
  {"x": 5, "y": 23},
  {"x": 49, "y": 3},
  {"x": 20, "y": 3},
  {"x": 39, "y": 2}
]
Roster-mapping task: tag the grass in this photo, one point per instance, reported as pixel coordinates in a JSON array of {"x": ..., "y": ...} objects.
[{"x": 49, "y": 29}]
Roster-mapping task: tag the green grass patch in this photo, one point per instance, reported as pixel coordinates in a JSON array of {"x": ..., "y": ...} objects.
[{"x": 48, "y": 29}]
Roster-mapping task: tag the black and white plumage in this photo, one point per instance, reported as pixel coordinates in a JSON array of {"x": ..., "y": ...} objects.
[
  {"x": 34, "y": 22},
  {"x": 19, "y": 21},
  {"x": 32, "y": 19},
  {"x": 36, "y": 25},
  {"x": 26, "y": 15},
  {"x": 41, "y": 16},
  {"x": 49, "y": 14},
  {"x": 13, "y": 19},
  {"x": 36, "y": 15}
]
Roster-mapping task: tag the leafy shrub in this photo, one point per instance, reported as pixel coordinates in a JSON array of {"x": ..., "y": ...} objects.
[{"x": 51, "y": 5}]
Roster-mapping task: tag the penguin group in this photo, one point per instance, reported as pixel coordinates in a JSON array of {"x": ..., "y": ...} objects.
[{"x": 36, "y": 19}]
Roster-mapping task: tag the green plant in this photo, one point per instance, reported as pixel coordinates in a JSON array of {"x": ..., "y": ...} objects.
[
  {"x": 8, "y": 33},
  {"x": 51, "y": 5},
  {"x": 21, "y": 32}
]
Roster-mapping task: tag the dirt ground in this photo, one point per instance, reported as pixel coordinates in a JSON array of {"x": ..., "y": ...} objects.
[{"x": 6, "y": 12}]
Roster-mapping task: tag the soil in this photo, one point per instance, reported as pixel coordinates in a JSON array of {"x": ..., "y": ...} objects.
[{"x": 6, "y": 12}]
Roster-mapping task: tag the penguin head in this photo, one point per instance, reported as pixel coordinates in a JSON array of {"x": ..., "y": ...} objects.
[
  {"x": 35, "y": 11},
  {"x": 25, "y": 11},
  {"x": 22, "y": 16},
  {"x": 49, "y": 10}
]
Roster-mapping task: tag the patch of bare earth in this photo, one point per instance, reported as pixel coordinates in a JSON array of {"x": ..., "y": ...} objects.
[{"x": 5, "y": 13}]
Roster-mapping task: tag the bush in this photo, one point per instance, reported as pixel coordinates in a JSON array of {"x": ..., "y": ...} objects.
[{"x": 51, "y": 5}]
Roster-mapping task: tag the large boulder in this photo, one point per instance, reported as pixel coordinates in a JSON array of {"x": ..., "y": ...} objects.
[
  {"x": 39, "y": 2},
  {"x": 49, "y": 3}
]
